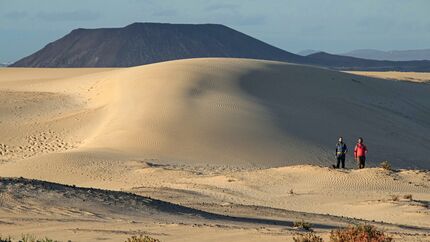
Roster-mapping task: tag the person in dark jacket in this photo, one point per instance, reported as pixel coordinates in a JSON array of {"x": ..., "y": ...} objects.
[
  {"x": 360, "y": 153},
  {"x": 341, "y": 150}
]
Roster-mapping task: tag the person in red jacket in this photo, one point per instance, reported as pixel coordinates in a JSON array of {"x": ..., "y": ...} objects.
[{"x": 360, "y": 152}]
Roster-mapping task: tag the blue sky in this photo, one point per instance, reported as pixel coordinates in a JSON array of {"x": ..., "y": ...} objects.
[{"x": 329, "y": 25}]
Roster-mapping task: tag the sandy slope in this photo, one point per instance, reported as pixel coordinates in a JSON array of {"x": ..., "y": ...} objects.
[
  {"x": 395, "y": 75},
  {"x": 216, "y": 135}
]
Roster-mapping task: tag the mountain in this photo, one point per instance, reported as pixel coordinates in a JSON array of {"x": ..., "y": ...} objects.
[
  {"x": 340, "y": 62},
  {"x": 145, "y": 43},
  {"x": 393, "y": 55},
  {"x": 307, "y": 52}
]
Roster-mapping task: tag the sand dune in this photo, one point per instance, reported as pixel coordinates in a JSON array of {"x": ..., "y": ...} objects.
[
  {"x": 217, "y": 136},
  {"x": 217, "y": 111}
]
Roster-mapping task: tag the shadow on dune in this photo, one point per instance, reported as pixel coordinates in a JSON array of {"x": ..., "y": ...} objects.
[
  {"x": 164, "y": 210},
  {"x": 314, "y": 106},
  {"x": 141, "y": 204}
]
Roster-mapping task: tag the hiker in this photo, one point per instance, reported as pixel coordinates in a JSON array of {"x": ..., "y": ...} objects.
[
  {"x": 340, "y": 155},
  {"x": 360, "y": 152}
]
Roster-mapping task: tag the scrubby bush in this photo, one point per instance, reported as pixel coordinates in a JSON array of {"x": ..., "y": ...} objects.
[
  {"x": 408, "y": 196},
  {"x": 395, "y": 198},
  {"x": 386, "y": 165},
  {"x": 359, "y": 233},
  {"x": 302, "y": 225},
  {"x": 310, "y": 237},
  {"x": 142, "y": 238}
]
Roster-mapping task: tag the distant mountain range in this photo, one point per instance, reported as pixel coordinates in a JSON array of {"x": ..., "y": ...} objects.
[
  {"x": 146, "y": 43},
  {"x": 393, "y": 55},
  {"x": 307, "y": 52},
  {"x": 372, "y": 54},
  {"x": 341, "y": 62}
]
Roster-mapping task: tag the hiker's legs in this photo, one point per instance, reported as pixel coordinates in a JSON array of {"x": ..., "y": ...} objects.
[
  {"x": 342, "y": 159},
  {"x": 362, "y": 161},
  {"x": 338, "y": 158}
]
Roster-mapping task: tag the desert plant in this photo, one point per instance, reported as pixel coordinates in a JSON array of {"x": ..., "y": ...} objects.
[
  {"x": 303, "y": 225},
  {"x": 386, "y": 165},
  {"x": 5, "y": 239},
  {"x": 395, "y": 198},
  {"x": 309, "y": 237},
  {"x": 27, "y": 238},
  {"x": 142, "y": 238},
  {"x": 408, "y": 196},
  {"x": 359, "y": 233},
  {"x": 47, "y": 240},
  {"x": 32, "y": 238},
  {"x": 292, "y": 192}
]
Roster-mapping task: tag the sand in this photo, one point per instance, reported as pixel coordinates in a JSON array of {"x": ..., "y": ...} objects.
[
  {"x": 216, "y": 138},
  {"x": 420, "y": 77}
]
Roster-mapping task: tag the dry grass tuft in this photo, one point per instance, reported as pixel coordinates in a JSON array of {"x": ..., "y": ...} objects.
[
  {"x": 303, "y": 225},
  {"x": 142, "y": 238},
  {"x": 5, "y": 239},
  {"x": 27, "y": 238},
  {"x": 395, "y": 198},
  {"x": 310, "y": 237},
  {"x": 386, "y": 165},
  {"x": 408, "y": 196}
]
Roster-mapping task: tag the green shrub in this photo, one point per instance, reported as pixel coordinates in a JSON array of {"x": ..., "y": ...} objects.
[
  {"x": 303, "y": 225},
  {"x": 310, "y": 237},
  {"x": 142, "y": 238},
  {"x": 386, "y": 165},
  {"x": 359, "y": 233}
]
